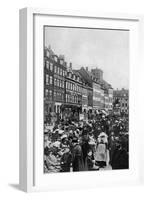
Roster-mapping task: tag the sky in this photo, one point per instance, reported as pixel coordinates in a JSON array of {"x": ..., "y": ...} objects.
[{"x": 104, "y": 49}]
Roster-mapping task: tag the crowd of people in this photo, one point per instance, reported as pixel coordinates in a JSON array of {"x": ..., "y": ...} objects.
[{"x": 99, "y": 143}]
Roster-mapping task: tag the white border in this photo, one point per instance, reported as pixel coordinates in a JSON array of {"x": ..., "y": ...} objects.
[{"x": 35, "y": 180}]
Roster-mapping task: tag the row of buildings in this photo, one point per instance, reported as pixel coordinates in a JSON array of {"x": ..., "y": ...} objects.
[
  {"x": 121, "y": 101},
  {"x": 69, "y": 92}
]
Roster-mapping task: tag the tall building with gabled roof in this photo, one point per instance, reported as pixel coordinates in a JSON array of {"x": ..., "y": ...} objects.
[
  {"x": 121, "y": 100},
  {"x": 102, "y": 91}
]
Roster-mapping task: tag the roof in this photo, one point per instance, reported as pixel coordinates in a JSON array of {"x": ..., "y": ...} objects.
[{"x": 121, "y": 92}]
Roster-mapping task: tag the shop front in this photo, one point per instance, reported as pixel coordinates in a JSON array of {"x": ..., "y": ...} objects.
[{"x": 71, "y": 112}]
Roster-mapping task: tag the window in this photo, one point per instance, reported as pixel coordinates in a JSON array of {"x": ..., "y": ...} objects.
[
  {"x": 62, "y": 97},
  {"x": 74, "y": 99},
  {"x": 62, "y": 84},
  {"x": 47, "y": 79},
  {"x": 63, "y": 73},
  {"x": 47, "y": 65},
  {"x": 55, "y": 69},
  {"x": 50, "y": 94},
  {"x": 47, "y": 54},
  {"x": 51, "y": 79},
  {"x": 54, "y": 95},
  {"x": 80, "y": 89},
  {"x": 66, "y": 98},
  {"x": 75, "y": 87},
  {"x": 55, "y": 81},
  {"x": 60, "y": 72},
  {"x": 58, "y": 82},
  {"x": 56, "y": 59},
  {"x": 46, "y": 93},
  {"x": 51, "y": 66}
]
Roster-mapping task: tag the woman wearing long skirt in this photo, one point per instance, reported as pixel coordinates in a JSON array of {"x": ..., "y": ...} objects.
[{"x": 102, "y": 153}]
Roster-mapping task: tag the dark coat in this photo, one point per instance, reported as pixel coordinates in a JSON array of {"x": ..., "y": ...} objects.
[
  {"x": 66, "y": 162},
  {"x": 120, "y": 159},
  {"x": 77, "y": 158}
]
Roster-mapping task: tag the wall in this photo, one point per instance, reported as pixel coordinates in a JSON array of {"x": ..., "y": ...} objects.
[{"x": 9, "y": 118}]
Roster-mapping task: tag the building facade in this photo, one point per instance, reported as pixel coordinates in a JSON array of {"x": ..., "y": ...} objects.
[
  {"x": 69, "y": 92},
  {"x": 54, "y": 85},
  {"x": 73, "y": 94},
  {"x": 96, "y": 95},
  {"x": 102, "y": 91},
  {"x": 121, "y": 101}
]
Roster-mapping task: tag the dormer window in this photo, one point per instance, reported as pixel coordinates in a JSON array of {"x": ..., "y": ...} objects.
[
  {"x": 47, "y": 54},
  {"x": 69, "y": 74},
  {"x": 56, "y": 59}
]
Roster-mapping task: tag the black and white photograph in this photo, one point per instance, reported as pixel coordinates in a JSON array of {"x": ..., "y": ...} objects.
[{"x": 86, "y": 99}]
